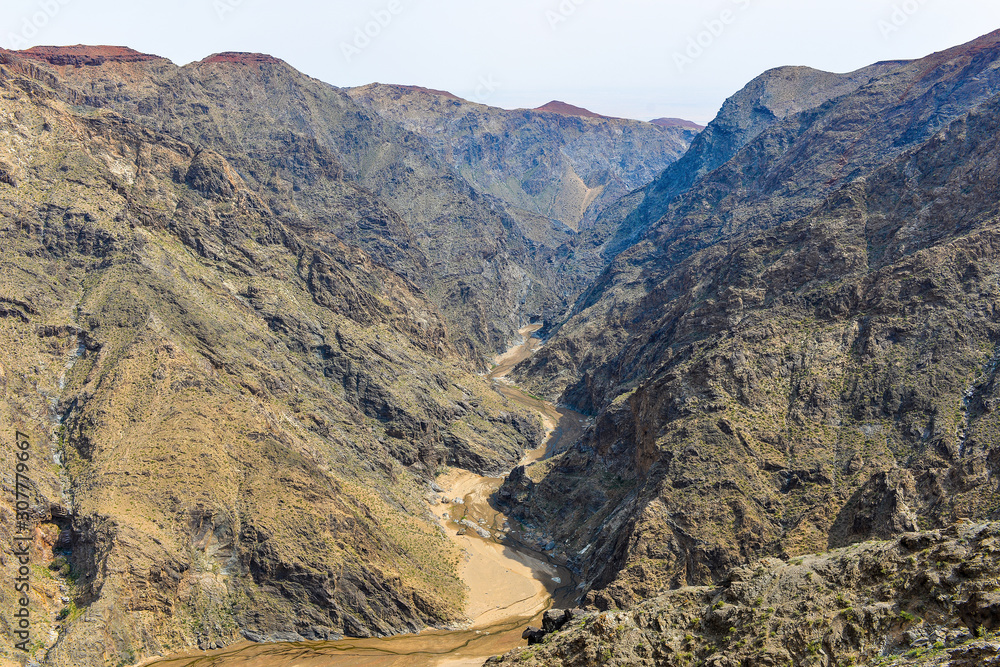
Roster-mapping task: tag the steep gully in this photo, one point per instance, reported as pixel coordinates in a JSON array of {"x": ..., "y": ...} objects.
[{"x": 510, "y": 583}]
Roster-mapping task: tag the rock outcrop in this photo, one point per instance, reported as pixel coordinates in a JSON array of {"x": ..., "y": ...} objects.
[
  {"x": 233, "y": 414},
  {"x": 556, "y": 167},
  {"x": 801, "y": 353},
  {"x": 920, "y": 599}
]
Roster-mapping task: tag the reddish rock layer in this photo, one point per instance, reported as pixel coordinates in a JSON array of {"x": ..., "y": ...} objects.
[
  {"x": 242, "y": 58},
  {"x": 563, "y": 109},
  {"x": 82, "y": 54}
]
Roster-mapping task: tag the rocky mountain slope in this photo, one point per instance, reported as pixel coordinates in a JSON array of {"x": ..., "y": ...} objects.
[
  {"x": 372, "y": 179},
  {"x": 556, "y": 167},
  {"x": 765, "y": 101},
  {"x": 317, "y": 158},
  {"x": 801, "y": 353},
  {"x": 244, "y": 313},
  {"x": 558, "y": 162},
  {"x": 921, "y": 599},
  {"x": 233, "y": 414}
]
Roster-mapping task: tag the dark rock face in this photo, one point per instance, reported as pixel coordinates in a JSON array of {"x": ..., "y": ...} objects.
[
  {"x": 208, "y": 175},
  {"x": 552, "y": 621},
  {"x": 801, "y": 353},
  {"x": 922, "y": 599},
  {"x": 878, "y": 510},
  {"x": 322, "y": 161},
  {"x": 533, "y": 635},
  {"x": 559, "y": 164},
  {"x": 233, "y": 413}
]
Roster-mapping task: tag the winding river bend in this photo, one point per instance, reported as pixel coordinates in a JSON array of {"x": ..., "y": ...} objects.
[{"x": 510, "y": 584}]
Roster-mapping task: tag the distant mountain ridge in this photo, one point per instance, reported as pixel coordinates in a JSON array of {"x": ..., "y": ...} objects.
[
  {"x": 565, "y": 109},
  {"x": 556, "y": 172},
  {"x": 677, "y": 122},
  {"x": 82, "y": 54}
]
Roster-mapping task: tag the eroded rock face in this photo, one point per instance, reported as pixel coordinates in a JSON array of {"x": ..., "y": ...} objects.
[
  {"x": 763, "y": 103},
  {"x": 558, "y": 163},
  {"x": 83, "y": 55},
  {"x": 321, "y": 160},
  {"x": 233, "y": 418},
  {"x": 920, "y": 599},
  {"x": 802, "y": 353}
]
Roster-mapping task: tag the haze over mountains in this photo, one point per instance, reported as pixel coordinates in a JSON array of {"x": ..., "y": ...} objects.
[{"x": 246, "y": 314}]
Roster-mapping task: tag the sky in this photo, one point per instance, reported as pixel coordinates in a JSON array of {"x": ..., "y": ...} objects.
[{"x": 631, "y": 58}]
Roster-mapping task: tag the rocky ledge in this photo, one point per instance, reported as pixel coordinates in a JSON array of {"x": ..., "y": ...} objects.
[
  {"x": 929, "y": 598},
  {"x": 564, "y": 109},
  {"x": 242, "y": 58},
  {"x": 82, "y": 54}
]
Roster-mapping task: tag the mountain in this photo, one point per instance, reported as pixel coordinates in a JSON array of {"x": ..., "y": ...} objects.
[
  {"x": 921, "y": 599},
  {"x": 765, "y": 101},
  {"x": 566, "y": 109},
  {"x": 245, "y": 318},
  {"x": 323, "y": 160},
  {"x": 677, "y": 122},
  {"x": 233, "y": 414},
  {"x": 556, "y": 167},
  {"x": 800, "y": 350},
  {"x": 373, "y": 180}
]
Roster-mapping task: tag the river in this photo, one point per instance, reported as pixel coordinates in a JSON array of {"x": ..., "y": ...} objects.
[{"x": 510, "y": 584}]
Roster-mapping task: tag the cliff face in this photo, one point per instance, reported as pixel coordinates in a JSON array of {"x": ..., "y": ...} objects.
[
  {"x": 233, "y": 414},
  {"x": 801, "y": 353},
  {"x": 555, "y": 168},
  {"x": 762, "y": 103},
  {"x": 357, "y": 165},
  {"x": 319, "y": 159},
  {"x": 922, "y": 599}
]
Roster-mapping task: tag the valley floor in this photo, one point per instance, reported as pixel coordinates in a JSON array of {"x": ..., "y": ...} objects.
[{"x": 509, "y": 584}]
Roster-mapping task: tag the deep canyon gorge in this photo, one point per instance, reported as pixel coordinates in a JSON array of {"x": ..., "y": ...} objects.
[{"x": 378, "y": 375}]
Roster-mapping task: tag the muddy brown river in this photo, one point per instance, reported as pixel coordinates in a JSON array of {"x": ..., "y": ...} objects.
[{"x": 510, "y": 585}]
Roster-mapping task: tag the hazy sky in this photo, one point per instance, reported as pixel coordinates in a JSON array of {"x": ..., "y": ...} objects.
[{"x": 632, "y": 58}]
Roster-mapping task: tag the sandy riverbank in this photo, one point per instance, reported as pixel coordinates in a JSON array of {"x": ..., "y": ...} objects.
[{"x": 508, "y": 588}]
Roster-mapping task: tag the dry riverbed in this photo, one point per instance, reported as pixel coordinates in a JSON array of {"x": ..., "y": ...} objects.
[{"x": 510, "y": 585}]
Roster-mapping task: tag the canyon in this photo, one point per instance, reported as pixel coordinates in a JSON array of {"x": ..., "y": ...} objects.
[{"x": 378, "y": 375}]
